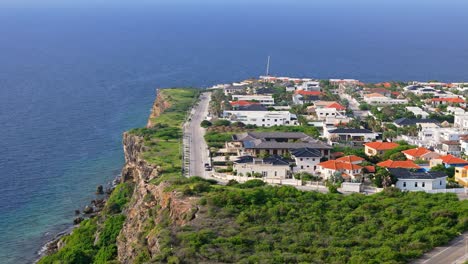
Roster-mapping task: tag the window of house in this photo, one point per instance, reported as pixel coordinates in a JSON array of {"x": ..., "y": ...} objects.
[
  {"x": 301, "y": 159},
  {"x": 404, "y": 184},
  {"x": 264, "y": 173},
  {"x": 276, "y": 173},
  {"x": 313, "y": 159},
  {"x": 302, "y": 166},
  {"x": 416, "y": 184},
  {"x": 308, "y": 166},
  {"x": 440, "y": 182},
  {"x": 423, "y": 184}
]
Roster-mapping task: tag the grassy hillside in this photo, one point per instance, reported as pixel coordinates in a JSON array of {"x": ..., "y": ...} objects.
[{"x": 252, "y": 223}]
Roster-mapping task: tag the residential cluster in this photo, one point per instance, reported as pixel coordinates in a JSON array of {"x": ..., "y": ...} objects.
[{"x": 413, "y": 136}]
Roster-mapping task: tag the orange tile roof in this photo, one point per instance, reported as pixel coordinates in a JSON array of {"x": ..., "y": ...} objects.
[
  {"x": 337, "y": 106},
  {"x": 339, "y": 165},
  {"x": 350, "y": 158},
  {"x": 406, "y": 164},
  {"x": 302, "y": 92},
  {"x": 416, "y": 152},
  {"x": 369, "y": 169},
  {"x": 450, "y": 159},
  {"x": 450, "y": 100},
  {"x": 243, "y": 103},
  {"x": 381, "y": 145}
]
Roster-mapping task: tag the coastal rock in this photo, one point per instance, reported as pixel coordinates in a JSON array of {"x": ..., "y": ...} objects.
[
  {"x": 88, "y": 210},
  {"x": 77, "y": 212},
  {"x": 100, "y": 190},
  {"x": 78, "y": 220}
]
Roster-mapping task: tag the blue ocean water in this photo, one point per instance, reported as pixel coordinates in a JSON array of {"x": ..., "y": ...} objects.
[{"x": 73, "y": 79}]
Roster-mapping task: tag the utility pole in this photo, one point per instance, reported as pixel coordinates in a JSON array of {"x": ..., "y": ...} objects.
[{"x": 268, "y": 67}]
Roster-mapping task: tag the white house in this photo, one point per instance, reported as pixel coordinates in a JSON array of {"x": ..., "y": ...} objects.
[
  {"x": 349, "y": 135},
  {"x": 231, "y": 89},
  {"x": 435, "y": 135},
  {"x": 461, "y": 120},
  {"x": 270, "y": 167},
  {"x": 417, "y": 111},
  {"x": 310, "y": 86},
  {"x": 262, "y": 99},
  {"x": 455, "y": 110},
  {"x": 262, "y": 118},
  {"x": 323, "y": 113},
  {"x": 306, "y": 159},
  {"x": 419, "y": 181},
  {"x": 378, "y": 99}
]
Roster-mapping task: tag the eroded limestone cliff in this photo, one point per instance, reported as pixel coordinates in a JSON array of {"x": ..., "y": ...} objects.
[{"x": 153, "y": 210}]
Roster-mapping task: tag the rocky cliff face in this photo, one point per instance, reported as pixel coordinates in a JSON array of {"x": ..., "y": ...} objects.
[
  {"x": 160, "y": 104},
  {"x": 150, "y": 204}
]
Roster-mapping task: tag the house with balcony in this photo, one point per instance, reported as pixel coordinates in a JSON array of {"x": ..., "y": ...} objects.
[
  {"x": 349, "y": 136},
  {"x": 306, "y": 159},
  {"x": 262, "y": 118},
  {"x": 378, "y": 148},
  {"x": 266, "y": 100},
  {"x": 269, "y": 167}
]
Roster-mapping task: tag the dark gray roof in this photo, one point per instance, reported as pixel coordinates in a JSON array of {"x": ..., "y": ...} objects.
[
  {"x": 306, "y": 152},
  {"x": 276, "y": 160},
  {"x": 265, "y": 90},
  {"x": 350, "y": 131},
  {"x": 273, "y": 160},
  {"x": 277, "y": 140},
  {"x": 413, "y": 121},
  {"x": 401, "y": 173}
]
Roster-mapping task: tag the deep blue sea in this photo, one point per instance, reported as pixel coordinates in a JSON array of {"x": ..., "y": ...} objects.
[{"x": 73, "y": 79}]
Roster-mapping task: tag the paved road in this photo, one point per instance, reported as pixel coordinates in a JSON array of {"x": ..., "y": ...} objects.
[
  {"x": 197, "y": 148},
  {"x": 455, "y": 252}
]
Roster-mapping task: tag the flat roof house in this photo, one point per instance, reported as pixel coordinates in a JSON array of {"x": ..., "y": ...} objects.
[
  {"x": 349, "y": 136},
  {"x": 419, "y": 181},
  {"x": 262, "y": 118},
  {"x": 262, "y": 99},
  {"x": 378, "y": 148}
]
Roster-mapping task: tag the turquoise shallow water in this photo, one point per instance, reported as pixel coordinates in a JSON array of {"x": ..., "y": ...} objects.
[{"x": 72, "y": 80}]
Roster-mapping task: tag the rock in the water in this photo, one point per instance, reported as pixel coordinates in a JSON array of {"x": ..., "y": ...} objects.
[
  {"x": 88, "y": 210},
  {"x": 77, "y": 220},
  {"x": 100, "y": 190},
  {"x": 77, "y": 212}
]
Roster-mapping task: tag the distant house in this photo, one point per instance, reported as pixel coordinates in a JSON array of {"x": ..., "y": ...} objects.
[
  {"x": 242, "y": 103},
  {"x": 461, "y": 120},
  {"x": 306, "y": 97},
  {"x": 379, "y": 99},
  {"x": 309, "y": 86},
  {"x": 402, "y": 122},
  {"x": 269, "y": 167},
  {"x": 306, "y": 159},
  {"x": 417, "y": 111},
  {"x": 277, "y": 143},
  {"x": 378, "y": 148},
  {"x": 231, "y": 89},
  {"x": 451, "y": 147},
  {"x": 449, "y": 101},
  {"x": 419, "y": 154},
  {"x": 381, "y": 91},
  {"x": 419, "y": 181},
  {"x": 348, "y": 136},
  {"x": 266, "y": 100},
  {"x": 449, "y": 161},
  {"x": 262, "y": 118},
  {"x": 405, "y": 164},
  {"x": 461, "y": 175},
  {"x": 353, "y": 159},
  {"x": 348, "y": 171}
]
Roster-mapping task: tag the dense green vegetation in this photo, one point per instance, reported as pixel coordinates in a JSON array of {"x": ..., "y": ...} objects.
[
  {"x": 250, "y": 223},
  {"x": 81, "y": 246}
]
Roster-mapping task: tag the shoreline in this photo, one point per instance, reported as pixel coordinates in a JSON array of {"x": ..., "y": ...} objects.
[{"x": 53, "y": 244}]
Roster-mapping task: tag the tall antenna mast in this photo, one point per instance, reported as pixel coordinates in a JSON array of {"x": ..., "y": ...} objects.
[{"x": 268, "y": 67}]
